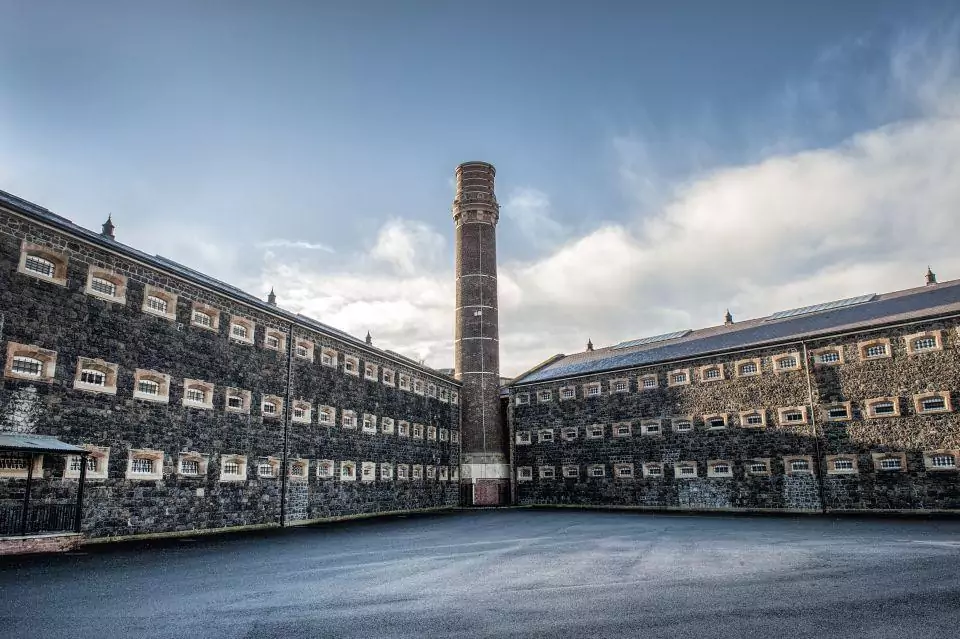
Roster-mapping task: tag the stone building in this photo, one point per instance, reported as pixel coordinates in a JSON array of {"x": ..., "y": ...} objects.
[
  {"x": 202, "y": 407},
  {"x": 845, "y": 406},
  {"x": 195, "y": 406}
]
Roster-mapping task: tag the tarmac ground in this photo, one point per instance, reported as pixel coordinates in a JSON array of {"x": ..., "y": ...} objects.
[{"x": 505, "y": 573}]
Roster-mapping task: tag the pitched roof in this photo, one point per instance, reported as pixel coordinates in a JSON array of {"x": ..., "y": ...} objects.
[
  {"x": 808, "y": 322},
  {"x": 40, "y": 214}
]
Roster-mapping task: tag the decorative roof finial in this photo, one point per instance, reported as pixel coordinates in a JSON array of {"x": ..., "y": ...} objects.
[
  {"x": 272, "y": 297},
  {"x": 931, "y": 277},
  {"x": 108, "y": 227},
  {"x": 728, "y": 318},
  {"x": 589, "y": 344},
  {"x": 368, "y": 339}
]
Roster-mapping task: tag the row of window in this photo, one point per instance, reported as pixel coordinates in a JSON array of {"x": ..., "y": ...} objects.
[
  {"x": 924, "y": 404},
  {"x": 936, "y": 460},
  {"x": 926, "y": 342},
  {"x": 148, "y": 465},
  {"x": 44, "y": 264},
  {"x": 30, "y": 362}
]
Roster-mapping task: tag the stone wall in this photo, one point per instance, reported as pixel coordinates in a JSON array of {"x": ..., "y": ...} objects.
[
  {"x": 861, "y": 438},
  {"x": 73, "y": 323}
]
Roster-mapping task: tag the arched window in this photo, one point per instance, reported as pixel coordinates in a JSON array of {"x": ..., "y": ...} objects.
[
  {"x": 93, "y": 377},
  {"x": 195, "y": 395},
  {"x": 40, "y": 265},
  {"x": 157, "y": 304},
  {"x": 148, "y": 387},
  {"x": 27, "y": 366},
  {"x": 202, "y": 319},
  {"x": 104, "y": 286},
  {"x": 239, "y": 331},
  {"x": 748, "y": 369}
]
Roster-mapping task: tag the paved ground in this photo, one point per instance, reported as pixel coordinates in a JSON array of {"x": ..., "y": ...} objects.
[{"x": 507, "y": 573}]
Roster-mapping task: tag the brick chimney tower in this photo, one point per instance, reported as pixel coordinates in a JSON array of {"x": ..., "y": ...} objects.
[{"x": 484, "y": 456}]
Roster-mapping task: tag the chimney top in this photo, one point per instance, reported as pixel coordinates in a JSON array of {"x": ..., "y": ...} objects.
[
  {"x": 931, "y": 277},
  {"x": 272, "y": 297},
  {"x": 589, "y": 344},
  {"x": 107, "y": 230},
  {"x": 728, "y": 318}
]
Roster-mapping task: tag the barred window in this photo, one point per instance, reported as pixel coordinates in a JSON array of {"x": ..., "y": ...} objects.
[
  {"x": 877, "y": 350},
  {"x": 299, "y": 412},
  {"x": 148, "y": 387},
  {"x": 235, "y": 402},
  {"x": 39, "y": 265},
  {"x": 799, "y": 465},
  {"x": 239, "y": 331},
  {"x": 523, "y": 398},
  {"x": 682, "y": 426},
  {"x": 568, "y": 393},
  {"x": 269, "y": 408},
  {"x": 141, "y": 465},
  {"x": 924, "y": 343},
  {"x": 302, "y": 351},
  {"x": 932, "y": 404},
  {"x": 622, "y": 430},
  {"x": 326, "y": 358},
  {"x": 195, "y": 395},
  {"x": 891, "y": 463},
  {"x": 712, "y": 373},
  {"x": 793, "y": 416},
  {"x": 754, "y": 420},
  {"x": 621, "y": 387},
  {"x": 157, "y": 304},
  {"x": 189, "y": 467},
  {"x": 748, "y": 369},
  {"x": 92, "y": 377},
  {"x": 545, "y": 396},
  {"x": 202, "y": 319},
  {"x": 943, "y": 461},
  {"x": 597, "y": 471},
  {"x": 688, "y": 470},
  {"x": 716, "y": 422},
  {"x": 830, "y": 357},
  {"x": 651, "y": 429},
  {"x": 523, "y": 437},
  {"x": 758, "y": 467},
  {"x": 883, "y": 408},
  {"x": 10, "y": 462},
  {"x": 298, "y": 469},
  {"x": 325, "y": 416},
  {"x": 101, "y": 285},
  {"x": 75, "y": 463},
  {"x": 786, "y": 363},
  {"x": 593, "y": 390},
  {"x": 650, "y": 382},
  {"x": 843, "y": 464},
  {"x": 679, "y": 378},
  {"x": 721, "y": 469},
  {"x": 838, "y": 412},
  {"x": 231, "y": 468},
  {"x": 654, "y": 471},
  {"x": 27, "y": 366},
  {"x": 525, "y": 472},
  {"x": 272, "y": 341},
  {"x": 265, "y": 470}
]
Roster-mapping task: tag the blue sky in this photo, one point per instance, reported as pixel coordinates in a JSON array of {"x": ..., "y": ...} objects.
[{"x": 311, "y": 146}]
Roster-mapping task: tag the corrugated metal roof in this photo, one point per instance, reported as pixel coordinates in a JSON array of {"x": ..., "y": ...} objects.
[
  {"x": 44, "y": 215},
  {"x": 36, "y": 444},
  {"x": 917, "y": 303}
]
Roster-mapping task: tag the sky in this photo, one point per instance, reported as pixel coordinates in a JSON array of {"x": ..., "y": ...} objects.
[{"x": 657, "y": 163}]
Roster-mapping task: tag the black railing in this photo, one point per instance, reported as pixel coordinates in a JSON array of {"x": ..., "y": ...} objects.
[{"x": 41, "y": 518}]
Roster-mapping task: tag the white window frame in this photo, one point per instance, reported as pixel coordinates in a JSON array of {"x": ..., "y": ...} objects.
[
  {"x": 155, "y": 456},
  {"x": 871, "y": 406},
  {"x": 674, "y": 377},
  {"x": 832, "y": 460},
  {"x": 740, "y": 366},
  {"x": 779, "y": 360},
  {"x": 714, "y": 469},
  {"x": 644, "y": 380},
  {"x": 197, "y": 385},
  {"x": 936, "y": 337},
  {"x": 920, "y": 398}
]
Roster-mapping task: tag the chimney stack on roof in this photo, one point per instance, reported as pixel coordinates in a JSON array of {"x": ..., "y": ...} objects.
[
  {"x": 108, "y": 227},
  {"x": 589, "y": 344},
  {"x": 369, "y": 339},
  {"x": 931, "y": 277},
  {"x": 272, "y": 297},
  {"x": 728, "y": 318}
]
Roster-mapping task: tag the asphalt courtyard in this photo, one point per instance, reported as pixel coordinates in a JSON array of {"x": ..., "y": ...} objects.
[{"x": 507, "y": 573}]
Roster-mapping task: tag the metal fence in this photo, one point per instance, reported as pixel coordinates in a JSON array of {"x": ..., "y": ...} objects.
[{"x": 40, "y": 518}]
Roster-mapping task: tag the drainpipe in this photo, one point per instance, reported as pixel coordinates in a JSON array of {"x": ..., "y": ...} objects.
[
  {"x": 287, "y": 409},
  {"x": 813, "y": 426}
]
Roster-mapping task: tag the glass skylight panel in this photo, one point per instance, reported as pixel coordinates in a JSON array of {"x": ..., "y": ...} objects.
[
  {"x": 826, "y": 306},
  {"x": 653, "y": 339}
]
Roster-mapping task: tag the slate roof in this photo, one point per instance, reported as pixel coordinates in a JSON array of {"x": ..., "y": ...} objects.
[
  {"x": 36, "y": 212},
  {"x": 890, "y": 308},
  {"x": 25, "y": 442}
]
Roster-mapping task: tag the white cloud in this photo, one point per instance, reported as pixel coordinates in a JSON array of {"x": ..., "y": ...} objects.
[
  {"x": 408, "y": 246},
  {"x": 296, "y": 244},
  {"x": 529, "y": 209}
]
